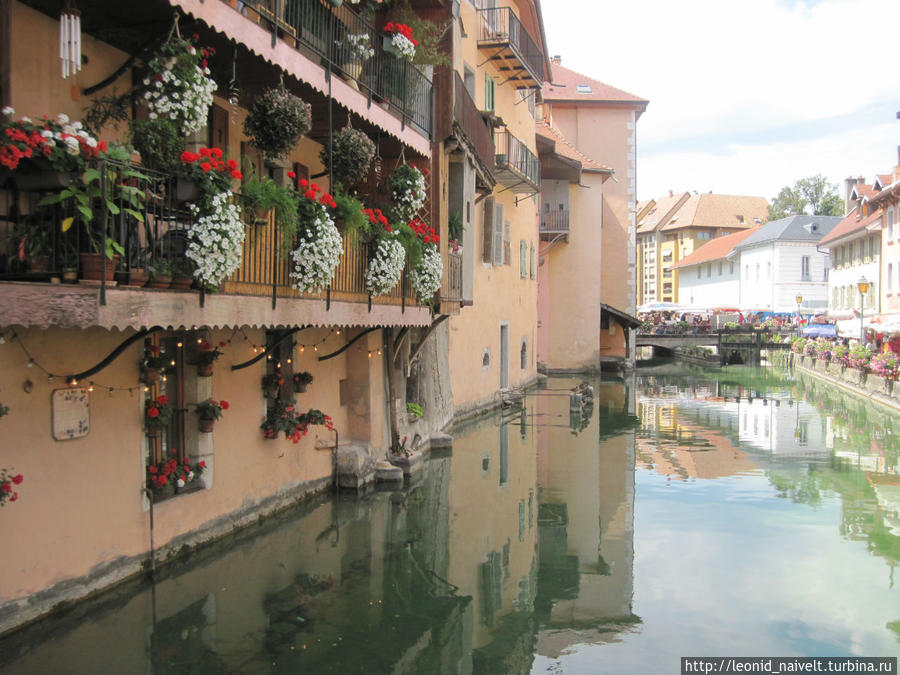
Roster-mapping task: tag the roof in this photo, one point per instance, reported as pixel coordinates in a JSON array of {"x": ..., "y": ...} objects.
[
  {"x": 712, "y": 210},
  {"x": 565, "y": 149},
  {"x": 563, "y": 86},
  {"x": 622, "y": 318},
  {"x": 715, "y": 249},
  {"x": 663, "y": 208},
  {"x": 800, "y": 228},
  {"x": 852, "y": 223},
  {"x": 864, "y": 191}
]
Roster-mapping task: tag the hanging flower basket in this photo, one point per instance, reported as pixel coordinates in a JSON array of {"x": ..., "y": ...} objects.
[
  {"x": 208, "y": 412},
  {"x": 205, "y": 426},
  {"x": 319, "y": 245},
  {"x": 276, "y": 121},
  {"x": 205, "y": 370},
  {"x": 186, "y": 190}
]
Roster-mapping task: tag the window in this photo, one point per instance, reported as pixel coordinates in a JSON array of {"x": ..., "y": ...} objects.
[
  {"x": 720, "y": 268},
  {"x": 731, "y": 268},
  {"x": 708, "y": 270},
  {"x": 469, "y": 80},
  {"x": 523, "y": 262},
  {"x": 583, "y": 88},
  {"x": 507, "y": 252},
  {"x": 890, "y": 224},
  {"x": 890, "y": 277},
  {"x": 492, "y": 237},
  {"x": 768, "y": 270},
  {"x": 488, "y": 92},
  {"x": 804, "y": 268},
  {"x": 835, "y": 298},
  {"x": 747, "y": 273},
  {"x": 531, "y": 262},
  {"x": 757, "y": 272},
  {"x": 699, "y": 272}
]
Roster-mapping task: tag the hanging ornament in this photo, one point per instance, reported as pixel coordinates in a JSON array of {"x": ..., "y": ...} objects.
[{"x": 70, "y": 41}]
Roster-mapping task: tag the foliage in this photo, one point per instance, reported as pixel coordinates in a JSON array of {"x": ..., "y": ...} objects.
[
  {"x": 7, "y": 480},
  {"x": 408, "y": 188},
  {"x": 858, "y": 357},
  {"x": 386, "y": 263},
  {"x": 165, "y": 476},
  {"x": 812, "y": 195},
  {"x": 732, "y": 325},
  {"x": 284, "y": 417},
  {"x": 272, "y": 380},
  {"x": 426, "y": 276},
  {"x": 359, "y": 46},
  {"x": 179, "y": 88},
  {"x": 455, "y": 226},
  {"x": 349, "y": 210},
  {"x": 157, "y": 412},
  {"x": 4, "y": 410},
  {"x": 58, "y": 144},
  {"x": 276, "y": 121},
  {"x": 823, "y": 348},
  {"x": 108, "y": 108},
  {"x": 319, "y": 246},
  {"x": 211, "y": 172},
  {"x": 884, "y": 365},
  {"x": 216, "y": 240},
  {"x": 415, "y": 410},
  {"x": 264, "y": 194},
  {"x": 839, "y": 354},
  {"x": 159, "y": 142},
  {"x": 154, "y": 359},
  {"x": 303, "y": 378},
  {"x": 211, "y": 409},
  {"x": 402, "y": 39},
  {"x": 352, "y": 153},
  {"x": 429, "y": 34},
  {"x": 798, "y": 344},
  {"x": 208, "y": 354}
]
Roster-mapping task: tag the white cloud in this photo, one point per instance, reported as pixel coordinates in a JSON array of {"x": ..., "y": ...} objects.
[{"x": 743, "y": 77}]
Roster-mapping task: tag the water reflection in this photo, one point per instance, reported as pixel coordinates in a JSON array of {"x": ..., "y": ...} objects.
[{"x": 614, "y": 538}]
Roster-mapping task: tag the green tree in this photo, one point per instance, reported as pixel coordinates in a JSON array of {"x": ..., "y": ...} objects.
[{"x": 813, "y": 196}]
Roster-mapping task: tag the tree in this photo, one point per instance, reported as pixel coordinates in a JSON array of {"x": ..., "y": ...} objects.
[{"x": 813, "y": 196}]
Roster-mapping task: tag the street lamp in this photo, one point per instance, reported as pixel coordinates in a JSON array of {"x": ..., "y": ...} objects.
[
  {"x": 863, "y": 286},
  {"x": 799, "y": 299}
]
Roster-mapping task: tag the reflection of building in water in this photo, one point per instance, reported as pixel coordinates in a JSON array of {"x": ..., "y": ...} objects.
[
  {"x": 887, "y": 491},
  {"x": 586, "y": 525}
]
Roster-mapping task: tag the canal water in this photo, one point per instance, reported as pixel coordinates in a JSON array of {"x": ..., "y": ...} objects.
[{"x": 683, "y": 514}]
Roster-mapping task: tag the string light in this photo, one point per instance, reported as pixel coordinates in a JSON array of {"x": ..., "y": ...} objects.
[{"x": 179, "y": 345}]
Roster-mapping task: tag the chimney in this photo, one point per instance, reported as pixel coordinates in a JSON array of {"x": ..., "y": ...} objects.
[
  {"x": 556, "y": 59},
  {"x": 671, "y": 194},
  {"x": 849, "y": 184}
]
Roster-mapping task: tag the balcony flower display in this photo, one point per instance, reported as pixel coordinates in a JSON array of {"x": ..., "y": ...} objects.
[
  {"x": 387, "y": 255},
  {"x": 207, "y": 355},
  {"x": 7, "y": 481},
  {"x": 839, "y": 354},
  {"x": 859, "y": 357},
  {"x": 401, "y": 40},
  {"x": 209, "y": 172},
  {"x": 154, "y": 364},
  {"x": 284, "y": 417},
  {"x": 216, "y": 241},
  {"x": 208, "y": 412},
  {"x": 157, "y": 413},
  {"x": 276, "y": 121},
  {"x": 408, "y": 189},
  {"x": 57, "y": 144},
  {"x": 351, "y": 155},
  {"x": 884, "y": 365},
  {"x": 179, "y": 88},
  {"x": 359, "y": 46},
  {"x": 319, "y": 246},
  {"x": 164, "y": 477},
  {"x": 428, "y": 270}
]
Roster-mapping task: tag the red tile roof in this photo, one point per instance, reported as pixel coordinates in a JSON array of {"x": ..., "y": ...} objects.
[
  {"x": 715, "y": 249},
  {"x": 712, "y": 210},
  {"x": 852, "y": 223},
  {"x": 563, "y": 87},
  {"x": 864, "y": 191},
  {"x": 566, "y": 149}
]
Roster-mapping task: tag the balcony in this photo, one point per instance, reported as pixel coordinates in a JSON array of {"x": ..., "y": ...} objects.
[
  {"x": 511, "y": 49},
  {"x": 452, "y": 287},
  {"x": 460, "y": 119},
  {"x": 555, "y": 225},
  {"x": 153, "y": 237},
  {"x": 515, "y": 166}
]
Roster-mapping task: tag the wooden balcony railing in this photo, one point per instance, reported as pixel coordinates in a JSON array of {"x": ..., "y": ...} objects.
[
  {"x": 453, "y": 278},
  {"x": 329, "y": 32},
  {"x": 521, "y": 59}
]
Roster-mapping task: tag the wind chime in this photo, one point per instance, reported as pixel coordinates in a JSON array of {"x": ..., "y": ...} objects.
[{"x": 70, "y": 41}]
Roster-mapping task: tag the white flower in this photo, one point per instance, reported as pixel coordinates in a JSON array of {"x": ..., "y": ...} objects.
[
  {"x": 62, "y": 119},
  {"x": 9, "y": 111},
  {"x": 412, "y": 199},
  {"x": 317, "y": 254},
  {"x": 76, "y": 124},
  {"x": 180, "y": 483},
  {"x": 426, "y": 276},
  {"x": 386, "y": 266},
  {"x": 73, "y": 147},
  {"x": 46, "y": 133},
  {"x": 216, "y": 241},
  {"x": 404, "y": 45},
  {"x": 90, "y": 141},
  {"x": 25, "y": 120}
]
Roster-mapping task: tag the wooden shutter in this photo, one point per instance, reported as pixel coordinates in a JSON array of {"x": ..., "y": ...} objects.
[
  {"x": 252, "y": 157},
  {"x": 488, "y": 233},
  {"x": 218, "y": 127},
  {"x": 497, "y": 240},
  {"x": 523, "y": 255},
  {"x": 531, "y": 262},
  {"x": 488, "y": 92}
]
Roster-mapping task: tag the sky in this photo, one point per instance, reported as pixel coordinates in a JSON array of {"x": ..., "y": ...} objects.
[{"x": 746, "y": 96}]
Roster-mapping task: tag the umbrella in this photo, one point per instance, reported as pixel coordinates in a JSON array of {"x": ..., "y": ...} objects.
[{"x": 820, "y": 330}]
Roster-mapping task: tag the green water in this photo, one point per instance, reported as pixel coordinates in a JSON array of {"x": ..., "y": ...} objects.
[{"x": 683, "y": 515}]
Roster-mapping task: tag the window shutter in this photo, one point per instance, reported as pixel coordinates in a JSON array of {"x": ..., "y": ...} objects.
[
  {"x": 488, "y": 234},
  {"x": 497, "y": 241},
  {"x": 218, "y": 127},
  {"x": 531, "y": 262},
  {"x": 507, "y": 248},
  {"x": 523, "y": 255},
  {"x": 488, "y": 92}
]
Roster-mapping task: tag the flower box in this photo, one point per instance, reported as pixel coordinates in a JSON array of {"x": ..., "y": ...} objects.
[
  {"x": 389, "y": 46},
  {"x": 33, "y": 179},
  {"x": 186, "y": 190}
]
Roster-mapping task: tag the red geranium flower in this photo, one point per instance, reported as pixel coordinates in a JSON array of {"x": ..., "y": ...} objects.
[
  {"x": 206, "y": 166},
  {"x": 153, "y": 413},
  {"x": 162, "y": 400},
  {"x": 18, "y": 478},
  {"x": 291, "y": 174},
  {"x": 225, "y": 405}
]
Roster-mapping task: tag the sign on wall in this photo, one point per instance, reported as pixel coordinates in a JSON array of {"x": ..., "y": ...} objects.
[{"x": 71, "y": 413}]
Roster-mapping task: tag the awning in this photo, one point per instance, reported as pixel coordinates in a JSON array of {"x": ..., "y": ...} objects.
[
  {"x": 623, "y": 319},
  {"x": 820, "y": 330}
]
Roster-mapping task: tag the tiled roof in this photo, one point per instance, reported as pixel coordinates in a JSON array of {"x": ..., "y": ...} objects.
[
  {"x": 663, "y": 208},
  {"x": 852, "y": 223},
  {"x": 564, "y": 86},
  {"x": 715, "y": 249},
  {"x": 864, "y": 191},
  {"x": 712, "y": 210},
  {"x": 566, "y": 149},
  {"x": 800, "y": 228}
]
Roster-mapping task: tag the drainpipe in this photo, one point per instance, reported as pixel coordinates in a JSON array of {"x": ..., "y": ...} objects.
[{"x": 149, "y": 494}]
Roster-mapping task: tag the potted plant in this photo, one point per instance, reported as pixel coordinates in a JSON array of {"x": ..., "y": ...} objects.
[
  {"x": 408, "y": 189},
  {"x": 159, "y": 143},
  {"x": 207, "y": 355},
  {"x": 387, "y": 254},
  {"x": 261, "y": 195},
  {"x": 276, "y": 121},
  {"x": 414, "y": 411},
  {"x": 399, "y": 41},
  {"x": 157, "y": 414},
  {"x": 208, "y": 412},
  {"x": 271, "y": 385},
  {"x": 301, "y": 381},
  {"x": 454, "y": 231},
  {"x": 319, "y": 244},
  {"x": 7, "y": 480},
  {"x": 358, "y": 49},
  {"x": 159, "y": 273},
  {"x": 203, "y": 175},
  {"x": 424, "y": 258},
  {"x": 182, "y": 274},
  {"x": 167, "y": 477},
  {"x": 351, "y": 155},
  {"x": 154, "y": 364}
]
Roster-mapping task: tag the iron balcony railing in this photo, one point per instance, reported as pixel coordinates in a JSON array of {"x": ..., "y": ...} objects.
[
  {"x": 513, "y": 155},
  {"x": 341, "y": 38},
  {"x": 143, "y": 213},
  {"x": 500, "y": 26},
  {"x": 555, "y": 222}
]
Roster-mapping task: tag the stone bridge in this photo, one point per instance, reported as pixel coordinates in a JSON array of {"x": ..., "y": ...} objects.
[{"x": 747, "y": 344}]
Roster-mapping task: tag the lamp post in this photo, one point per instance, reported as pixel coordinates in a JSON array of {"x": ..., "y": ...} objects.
[
  {"x": 799, "y": 299},
  {"x": 863, "y": 286}
]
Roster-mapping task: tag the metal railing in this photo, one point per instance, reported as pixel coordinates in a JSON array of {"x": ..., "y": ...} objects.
[
  {"x": 341, "y": 38},
  {"x": 555, "y": 221},
  {"x": 511, "y": 153},
  {"x": 500, "y": 26}
]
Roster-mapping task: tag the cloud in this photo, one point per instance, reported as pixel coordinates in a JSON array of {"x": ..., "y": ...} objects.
[{"x": 728, "y": 79}]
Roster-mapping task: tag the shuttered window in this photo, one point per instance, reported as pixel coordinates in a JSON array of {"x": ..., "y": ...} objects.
[
  {"x": 488, "y": 92},
  {"x": 487, "y": 240},
  {"x": 497, "y": 239},
  {"x": 523, "y": 259}
]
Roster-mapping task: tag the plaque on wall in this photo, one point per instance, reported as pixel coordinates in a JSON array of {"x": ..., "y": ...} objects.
[{"x": 71, "y": 413}]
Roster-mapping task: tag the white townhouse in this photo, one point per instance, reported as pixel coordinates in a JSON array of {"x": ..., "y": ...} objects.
[{"x": 707, "y": 278}]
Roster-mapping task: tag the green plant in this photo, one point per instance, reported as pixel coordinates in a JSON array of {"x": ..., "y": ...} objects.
[
  {"x": 211, "y": 409},
  {"x": 165, "y": 476},
  {"x": 276, "y": 121},
  {"x": 4, "y": 410},
  {"x": 429, "y": 35},
  {"x": 272, "y": 380},
  {"x": 159, "y": 142},
  {"x": 159, "y": 268},
  {"x": 58, "y": 144},
  {"x": 264, "y": 194},
  {"x": 455, "y": 226},
  {"x": 211, "y": 172},
  {"x": 154, "y": 359},
  {"x": 349, "y": 210},
  {"x": 351, "y": 154},
  {"x": 111, "y": 108},
  {"x": 207, "y": 354},
  {"x": 157, "y": 413},
  {"x": 303, "y": 378},
  {"x": 415, "y": 410}
]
